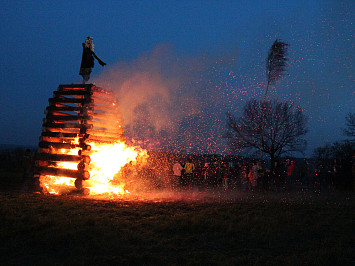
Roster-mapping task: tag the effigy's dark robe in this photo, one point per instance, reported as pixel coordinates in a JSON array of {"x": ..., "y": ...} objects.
[
  {"x": 87, "y": 63},
  {"x": 87, "y": 60}
]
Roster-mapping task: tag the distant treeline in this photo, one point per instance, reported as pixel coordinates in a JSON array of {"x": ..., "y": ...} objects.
[{"x": 12, "y": 157}]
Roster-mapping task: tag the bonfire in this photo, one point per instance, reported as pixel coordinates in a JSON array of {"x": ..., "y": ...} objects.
[{"x": 82, "y": 147}]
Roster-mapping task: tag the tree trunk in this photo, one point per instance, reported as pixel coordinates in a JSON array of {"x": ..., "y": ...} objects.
[{"x": 272, "y": 162}]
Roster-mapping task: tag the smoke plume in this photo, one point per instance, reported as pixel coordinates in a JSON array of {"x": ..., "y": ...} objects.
[{"x": 167, "y": 100}]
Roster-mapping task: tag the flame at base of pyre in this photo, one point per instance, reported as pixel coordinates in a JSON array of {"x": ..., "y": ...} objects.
[{"x": 112, "y": 168}]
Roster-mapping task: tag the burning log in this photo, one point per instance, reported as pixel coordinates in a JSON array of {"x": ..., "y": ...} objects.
[
  {"x": 87, "y": 87},
  {"x": 59, "y": 134},
  {"x": 57, "y": 140},
  {"x": 104, "y": 139},
  {"x": 72, "y": 93},
  {"x": 106, "y": 125},
  {"x": 106, "y": 101},
  {"x": 84, "y": 175},
  {"x": 62, "y": 157},
  {"x": 58, "y": 145},
  {"x": 68, "y": 117},
  {"x": 47, "y": 123},
  {"x": 66, "y": 108},
  {"x": 97, "y": 131},
  {"x": 105, "y": 116},
  {"x": 69, "y": 100}
]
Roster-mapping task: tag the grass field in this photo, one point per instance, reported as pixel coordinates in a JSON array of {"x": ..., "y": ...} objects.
[{"x": 183, "y": 228}]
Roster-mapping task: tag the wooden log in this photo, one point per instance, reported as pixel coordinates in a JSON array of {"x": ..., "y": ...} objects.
[
  {"x": 102, "y": 122},
  {"x": 42, "y": 170},
  {"x": 46, "y": 112},
  {"x": 62, "y": 130},
  {"x": 81, "y": 165},
  {"x": 57, "y": 145},
  {"x": 107, "y": 107},
  {"x": 71, "y": 92},
  {"x": 107, "y": 96},
  {"x": 66, "y": 146},
  {"x": 106, "y": 139},
  {"x": 102, "y": 131},
  {"x": 106, "y": 116},
  {"x": 106, "y": 123},
  {"x": 101, "y": 90},
  {"x": 56, "y": 139},
  {"x": 87, "y": 87},
  {"x": 62, "y": 157},
  {"x": 103, "y": 100},
  {"x": 50, "y": 124},
  {"x": 61, "y": 139},
  {"x": 104, "y": 111},
  {"x": 108, "y": 134},
  {"x": 70, "y": 100},
  {"x": 60, "y": 134},
  {"x": 66, "y": 108},
  {"x": 68, "y": 117}
]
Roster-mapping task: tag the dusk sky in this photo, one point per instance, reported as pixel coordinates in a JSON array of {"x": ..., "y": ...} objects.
[{"x": 189, "y": 60}]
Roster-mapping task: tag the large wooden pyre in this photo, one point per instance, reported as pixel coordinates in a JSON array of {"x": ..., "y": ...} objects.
[{"x": 77, "y": 115}]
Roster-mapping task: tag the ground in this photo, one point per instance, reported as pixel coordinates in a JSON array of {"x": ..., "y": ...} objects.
[{"x": 180, "y": 228}]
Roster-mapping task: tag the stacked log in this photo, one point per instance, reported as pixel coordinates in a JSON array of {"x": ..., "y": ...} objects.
[{"x": 78, "y": 114}]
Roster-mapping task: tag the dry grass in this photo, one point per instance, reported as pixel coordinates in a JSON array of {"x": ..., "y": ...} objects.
[{"x": 179, "y": 229}]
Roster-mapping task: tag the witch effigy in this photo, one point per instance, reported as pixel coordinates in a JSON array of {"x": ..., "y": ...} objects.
[{"x": 87, "y": 60}]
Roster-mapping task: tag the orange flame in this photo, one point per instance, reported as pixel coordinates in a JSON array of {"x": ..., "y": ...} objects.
[{"x": 107, "y": 161}]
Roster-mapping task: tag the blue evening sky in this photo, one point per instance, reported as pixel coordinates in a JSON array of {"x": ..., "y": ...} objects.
[{"x": 40, "y": 48}]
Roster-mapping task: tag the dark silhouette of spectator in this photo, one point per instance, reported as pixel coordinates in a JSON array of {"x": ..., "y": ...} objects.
[
  {"x": 253, "y": 176},
  {"x": 261, "y": 173},
  {"x": 237, "y": 175},
  {"x": 215, "y": 173},
  {"x": 206, "y": 173},
  {"x": 244, "y": 180},
  {"x": 321, "y": 173},
  {"x": 28, "y": 164},
  {"x": 266, "y": 180},
  {"x": 353, "y": 172},
  {"x": 225, "y": 175},
  {"x": 278, "y": 175},
  {"x": 347, "y": 174},
  {"x": 336, "y": 174}
]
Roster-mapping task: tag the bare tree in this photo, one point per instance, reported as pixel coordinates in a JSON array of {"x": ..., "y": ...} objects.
[
  {"x": 269, "y": 127},
  {"x": 350, "y": 125},
  {"x": 323, "y": 153}
]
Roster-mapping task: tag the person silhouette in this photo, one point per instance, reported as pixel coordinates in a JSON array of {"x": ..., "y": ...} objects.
[{"x": 87, "y": 60}]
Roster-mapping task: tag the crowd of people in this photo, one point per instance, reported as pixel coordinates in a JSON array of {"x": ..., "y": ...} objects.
[
  {"x": 254, "y": 175},
  {"x": 243, "y": 175}
]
